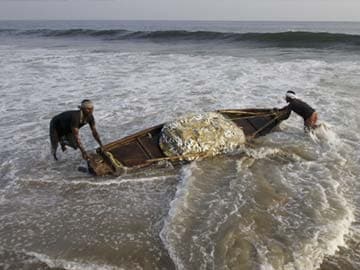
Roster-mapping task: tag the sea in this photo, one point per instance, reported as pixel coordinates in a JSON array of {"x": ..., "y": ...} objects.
[{"x": 287, "y": 201}]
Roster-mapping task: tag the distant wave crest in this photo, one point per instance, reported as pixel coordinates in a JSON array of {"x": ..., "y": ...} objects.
[{"x": 279, "y": 39}]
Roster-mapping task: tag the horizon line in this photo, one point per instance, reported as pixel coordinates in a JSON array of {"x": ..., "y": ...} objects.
[{"x": 188, "y": 20}]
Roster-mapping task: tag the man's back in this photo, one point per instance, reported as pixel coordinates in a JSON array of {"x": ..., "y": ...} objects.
[
  {"x": 301, "y": 108},
  {"x": 66, "y": 121}
]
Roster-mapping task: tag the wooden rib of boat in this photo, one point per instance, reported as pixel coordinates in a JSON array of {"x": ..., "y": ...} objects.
[{"x": 142, "y": 148}]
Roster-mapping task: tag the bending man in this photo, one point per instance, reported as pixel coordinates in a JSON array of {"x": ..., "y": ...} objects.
[
  {"x": 309, "y": 115},
  {"x": 64, "y": 128}
]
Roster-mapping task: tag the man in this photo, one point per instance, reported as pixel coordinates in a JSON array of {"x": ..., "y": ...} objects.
[
  {"x": 64, "y": 128},
  {"x": 309, "y": 115}
]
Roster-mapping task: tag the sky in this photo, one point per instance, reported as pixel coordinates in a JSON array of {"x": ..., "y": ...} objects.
[{"x": 290, "y": 10}]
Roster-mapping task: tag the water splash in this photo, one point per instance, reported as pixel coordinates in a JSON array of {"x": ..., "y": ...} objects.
[{"x": 325, "y": 134}]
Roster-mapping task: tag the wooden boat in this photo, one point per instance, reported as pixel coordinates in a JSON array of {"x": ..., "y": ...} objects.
[{"x": 142, "y": 148}]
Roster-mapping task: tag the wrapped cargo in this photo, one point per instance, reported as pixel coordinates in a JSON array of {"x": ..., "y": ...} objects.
[{"x": 197, "y": 135}]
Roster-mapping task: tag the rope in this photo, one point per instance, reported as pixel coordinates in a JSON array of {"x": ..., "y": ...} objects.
[
  {"x": 241, "y": 112},
  {"x": 253, "y": 116},
  {"x": 182, "y": 157},
  {"x": 114, "y": 162}
]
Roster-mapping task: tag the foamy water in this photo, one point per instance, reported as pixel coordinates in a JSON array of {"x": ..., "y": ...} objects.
[{"x": 288, "y": 201}]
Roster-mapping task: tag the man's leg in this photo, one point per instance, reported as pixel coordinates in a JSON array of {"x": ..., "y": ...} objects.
[
  {"x": 314, "y": 117},
  {"x": 63, "y": 146},
  {"x": 69, "y": 140},
  {"x": 311, "y": 121},
  {"x": 54, "y": 140}
]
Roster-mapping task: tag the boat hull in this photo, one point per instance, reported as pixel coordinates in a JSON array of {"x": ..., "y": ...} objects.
[{"x": 142, "y": 149}]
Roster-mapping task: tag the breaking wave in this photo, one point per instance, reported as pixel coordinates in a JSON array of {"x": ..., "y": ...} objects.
[{"x": 302, "y": 39}]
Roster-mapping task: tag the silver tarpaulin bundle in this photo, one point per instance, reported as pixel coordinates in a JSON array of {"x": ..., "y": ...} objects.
[{"x": 196, "y": 135}]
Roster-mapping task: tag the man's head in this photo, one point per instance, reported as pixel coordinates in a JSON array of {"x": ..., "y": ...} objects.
[
  {"x": 87, "y": 106},
  {"x": 290, "y": 95}
]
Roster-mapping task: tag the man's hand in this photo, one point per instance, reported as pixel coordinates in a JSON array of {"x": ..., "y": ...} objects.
[{"x": 85, "y": 155}]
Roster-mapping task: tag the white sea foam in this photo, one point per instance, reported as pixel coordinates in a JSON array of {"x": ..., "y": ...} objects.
[
  {"x": 315, "y": 251},
  {"x": 168, "y": 234},
  {"x": 325, "y": 134},
  {"x": 116, "y": 181},
  {"x": 329, "y": 230},
  {"x": 328, "y": 237}
]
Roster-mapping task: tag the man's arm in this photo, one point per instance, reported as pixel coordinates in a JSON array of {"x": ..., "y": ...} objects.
[
  {"x": 96, "y": 134},
  {"x": 79, "y": 144},
  {"x": 288, "y": 107}
]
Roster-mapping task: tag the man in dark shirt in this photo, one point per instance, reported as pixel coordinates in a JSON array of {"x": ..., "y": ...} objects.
[
  {"x": 309, "y": 115},
  {"x": 64, "y": 128}
]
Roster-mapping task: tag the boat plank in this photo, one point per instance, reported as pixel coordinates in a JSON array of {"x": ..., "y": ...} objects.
[
  {"x": 150, "y": 143},
  {"x": 130, "y": 153}
]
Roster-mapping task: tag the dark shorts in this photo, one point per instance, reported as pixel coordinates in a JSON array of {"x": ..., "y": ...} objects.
[{"x": 67, "y": 139}]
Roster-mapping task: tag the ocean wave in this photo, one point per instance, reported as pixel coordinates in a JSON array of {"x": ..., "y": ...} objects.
[
  {"x": 69, "y": 265},
  {"x": 275, "y": 39}
]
